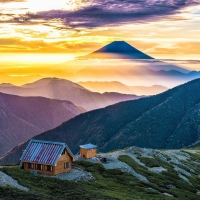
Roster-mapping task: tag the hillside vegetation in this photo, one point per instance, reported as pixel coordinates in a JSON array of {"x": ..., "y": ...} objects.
[{"x": 179, "y": 178}]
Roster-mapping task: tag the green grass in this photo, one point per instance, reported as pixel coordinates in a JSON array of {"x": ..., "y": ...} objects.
[
  {"x": 109, "y": 184},
  {"x": 166, "y": 156},
  {"x": 193, "y": 162},
  {"x": 9, "y": 165},
  {"x": 153, "y": 162},
  {"x": 194, "y": 148},
  {"x": 183, "y": 190},
  {"x": 194, "y": 156}
]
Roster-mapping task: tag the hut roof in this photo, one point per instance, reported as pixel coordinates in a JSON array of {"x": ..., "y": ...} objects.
[
  {"x": 44, "y": 152},
  {"x": 88, "y": 146}
]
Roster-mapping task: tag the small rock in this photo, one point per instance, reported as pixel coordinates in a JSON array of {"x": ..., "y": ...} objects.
[
  {"x": 167, "y": 194},
  {"x": 170, "y": 186}
]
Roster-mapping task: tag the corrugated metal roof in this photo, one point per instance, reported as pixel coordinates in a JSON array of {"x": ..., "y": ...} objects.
[
  {"x": 88, "y": 146},
  {"x": 43, "y": 152}
]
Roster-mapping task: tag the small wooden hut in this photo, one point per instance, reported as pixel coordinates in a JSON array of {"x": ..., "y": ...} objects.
[
  {"x": 46, "y": 157},
  {"x": 88, "y": 150}
]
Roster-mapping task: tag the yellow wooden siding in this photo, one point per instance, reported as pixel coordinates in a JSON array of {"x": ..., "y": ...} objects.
[
  {"x": 60, "y": 164},
  {"x": 88, "y": 153},
  {"x": 43, "y": 171}
]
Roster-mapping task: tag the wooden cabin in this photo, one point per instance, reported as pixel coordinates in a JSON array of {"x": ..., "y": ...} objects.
[
  {"x": 88, "y": 151},
  {"x": 46, "y": 157}
]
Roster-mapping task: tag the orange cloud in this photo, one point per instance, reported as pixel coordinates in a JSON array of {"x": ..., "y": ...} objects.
[
  {"x": 17, "y": 45},
  {"x": 179, "y": 48}
]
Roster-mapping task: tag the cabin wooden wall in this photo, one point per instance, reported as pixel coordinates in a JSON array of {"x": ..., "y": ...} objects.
[
  {"x": 58, "y": 169},
  {"x": 60, "y": 164},
  {"x": 88, "y": 153},
  {"x": 43, "y": 171}
]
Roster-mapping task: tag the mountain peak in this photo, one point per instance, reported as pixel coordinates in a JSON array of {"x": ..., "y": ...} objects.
[
  {"x": 117, "y": 46},
  {"x": 117, "y": 50}
]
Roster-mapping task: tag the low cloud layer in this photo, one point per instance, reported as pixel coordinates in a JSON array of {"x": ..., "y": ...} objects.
[{"x": 112, "y": 12}]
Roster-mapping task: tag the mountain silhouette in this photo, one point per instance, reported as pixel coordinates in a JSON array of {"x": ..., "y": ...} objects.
[
  {"x": 117, "y": 50},
  {"x": 115, "y": 86}
]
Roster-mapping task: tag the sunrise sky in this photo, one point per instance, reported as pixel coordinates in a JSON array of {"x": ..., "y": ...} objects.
[
  {"x": 163, "y": 29},
  {"x": 53, "y": 31}
]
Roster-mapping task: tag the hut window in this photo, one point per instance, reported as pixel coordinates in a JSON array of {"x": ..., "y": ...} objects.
[
  {"x": 30, "y": 165},
  {"x": 39, "y": 167},
  {"x": 67, "y": 165},
  {"x": 49, "y": 168}
]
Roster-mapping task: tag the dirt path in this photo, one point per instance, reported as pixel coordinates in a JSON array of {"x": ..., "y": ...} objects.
[{"x": 6, "y": 180}]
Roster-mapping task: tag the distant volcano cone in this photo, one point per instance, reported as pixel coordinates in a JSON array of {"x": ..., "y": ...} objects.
[{"x": 117, "y": 50}]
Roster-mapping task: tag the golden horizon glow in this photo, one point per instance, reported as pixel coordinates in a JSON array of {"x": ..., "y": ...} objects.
[
  {"x": 32, "y": 39},
  {"x": 30, "y": 58},
  {"x": 160, "y": 37}
]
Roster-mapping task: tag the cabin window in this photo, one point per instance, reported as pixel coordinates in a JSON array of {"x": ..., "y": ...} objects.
[
  {"x": 67, "y": 165},
  {"x": 39, "y": 167},
  {"x": 30, "y": 165},
  {"x": 48, "y": 168}
]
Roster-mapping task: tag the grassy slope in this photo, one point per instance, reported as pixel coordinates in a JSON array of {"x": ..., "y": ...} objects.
[
  {"x": 163, "y": 182},
  {"x": 112, "y": 184}
]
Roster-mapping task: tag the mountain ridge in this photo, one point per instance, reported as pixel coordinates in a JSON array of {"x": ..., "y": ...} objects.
[
  {"x": 24, "y": 117},
  {"x": 116, "y": 86},
  {"x": 167, "y": 120},
  {"x": 119, "y": 50},
  {"x": 62, "y": 89}
]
